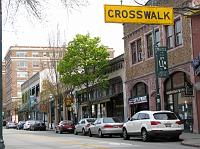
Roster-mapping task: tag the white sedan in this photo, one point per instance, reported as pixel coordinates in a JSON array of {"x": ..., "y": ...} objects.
[{"x": 106, "y": 126}]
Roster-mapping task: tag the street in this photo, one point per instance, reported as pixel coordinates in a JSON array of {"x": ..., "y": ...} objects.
[{"x": 20, "y": 139}]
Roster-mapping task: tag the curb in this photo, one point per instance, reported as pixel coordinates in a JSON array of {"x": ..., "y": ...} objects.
[{"x": 189, "y": 144}]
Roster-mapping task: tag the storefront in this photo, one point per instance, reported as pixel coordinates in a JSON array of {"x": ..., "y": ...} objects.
[
  {"x": 178, "y": 98},
  {"x": 139, "y": 98}
]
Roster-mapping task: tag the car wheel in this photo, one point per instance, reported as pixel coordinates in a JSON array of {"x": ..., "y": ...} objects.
[
  {"x": 100, "y": 134},
  {"x": 145, "y": 135},
  {"x": 90, "y": 133},
  {"x": 60, "y": 132},
  {"x": 75, "y": 132},
  {"x": 83, "y": 132},
  {"x": 175, "y": 138},
  {"x": 125, "y": 134}
]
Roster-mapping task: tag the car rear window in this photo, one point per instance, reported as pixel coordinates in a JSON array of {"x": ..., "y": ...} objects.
[
  {"x": 165, "y": 116},
  {"x": 90, "y": 120},
  {"x": 111, "y": 120}
]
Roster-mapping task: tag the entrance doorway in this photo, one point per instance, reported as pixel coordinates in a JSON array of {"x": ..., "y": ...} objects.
[{"x": 176, "y": 99}]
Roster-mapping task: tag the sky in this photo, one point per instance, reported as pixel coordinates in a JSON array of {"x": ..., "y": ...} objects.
[{"x": 90, "y": 19}]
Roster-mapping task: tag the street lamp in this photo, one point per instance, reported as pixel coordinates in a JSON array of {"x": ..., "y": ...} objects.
[{"x": 2, "y": 146}]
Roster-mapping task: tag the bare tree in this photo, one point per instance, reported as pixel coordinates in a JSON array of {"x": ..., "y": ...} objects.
[{"x": 36, "y": 8}]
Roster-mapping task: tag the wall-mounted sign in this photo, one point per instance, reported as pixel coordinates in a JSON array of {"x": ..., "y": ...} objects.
[
  {"x": 138, "y": 14},
  {"x": 138, "y": 100},
  {"x": 162, "y": 62}
]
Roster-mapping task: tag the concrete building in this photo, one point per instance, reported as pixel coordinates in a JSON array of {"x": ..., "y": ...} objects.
[
  {"x": 177, "y": 92},
  {"x": 21, "y": 62}
]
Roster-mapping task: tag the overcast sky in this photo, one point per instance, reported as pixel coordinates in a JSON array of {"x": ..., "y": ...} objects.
[{"x": 85, "y": 20}]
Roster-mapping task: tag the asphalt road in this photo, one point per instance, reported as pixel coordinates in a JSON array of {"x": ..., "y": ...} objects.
[{"x": 20, "y": 139}]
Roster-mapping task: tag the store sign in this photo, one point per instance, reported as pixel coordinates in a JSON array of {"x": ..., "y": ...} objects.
[
  {"x": 162, "y": 62},
  {"x": 196, "y": 65},
  {"x": 175, "y": 91},
  {"x": 138, "y": 14},
  {"x": 138, "y": 100}
]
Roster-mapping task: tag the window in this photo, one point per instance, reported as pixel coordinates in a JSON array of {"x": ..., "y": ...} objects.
[
  {"x": 170, "y": 40},
  {"x": 149, "y": 45},
  {"x": 35, "y": 54},
  {"x": 21, "y": 54},
  {"x": 174, "y": 34},
  {"x": 157, "y": 38},
  {"x": 36, "y": 64},
  {"x": 19, "y": 83},
  {"x": 139, "y": 50},
  {"x": 133, "y": 52},
  {"x": 178, "y": 33},
  {"x": 22, "y": 74},
  {"x": 21, "y": 64},
  {"x": 136, "y": 51}
]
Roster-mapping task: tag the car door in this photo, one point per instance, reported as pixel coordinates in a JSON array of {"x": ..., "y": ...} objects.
[
  {"x": 79, "y": 126},
  {"x": 130, "y": 124},
  {"x": 97, "y": 126}
]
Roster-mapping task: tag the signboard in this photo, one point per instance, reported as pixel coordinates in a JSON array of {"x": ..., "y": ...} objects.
[
  {"x": 138, "y": 100},
  {"x": 138, "y": 14},
  {"x": 162, "y": 62}
]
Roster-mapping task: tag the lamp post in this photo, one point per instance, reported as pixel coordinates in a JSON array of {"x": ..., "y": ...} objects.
[{"x": 2, "y": 146}]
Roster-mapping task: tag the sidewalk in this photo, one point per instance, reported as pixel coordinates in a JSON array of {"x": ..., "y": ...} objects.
[{"x": 190, "y": 139}]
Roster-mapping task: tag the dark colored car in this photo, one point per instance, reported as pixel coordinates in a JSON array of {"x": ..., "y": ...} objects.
[
  {"x": 37, "y": 125},
  {"x": 11, "y": 125},
  {"x": 65, "y": 126},
  {"x": 20, "y": 125}
]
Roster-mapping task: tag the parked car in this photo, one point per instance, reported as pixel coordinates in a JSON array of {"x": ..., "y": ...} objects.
[
  {"x": 65, "y": 126},
  {"x": 11, "y": 125},
  {"x": 106, "y": 126},
  {"x": 151, "y": 124},
  {"x": 83, "y": 125},
  {"x": 37, "y": 125},
  {"x": 20, "y": 125},
  {"x": 27, "y": 124}
]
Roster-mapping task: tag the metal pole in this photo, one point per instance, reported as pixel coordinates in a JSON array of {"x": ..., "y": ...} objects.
[
  {"x": 158, "y": 104},
  {"x": 2, "y": 146}
]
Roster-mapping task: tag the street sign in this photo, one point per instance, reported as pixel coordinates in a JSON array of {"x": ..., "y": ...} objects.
[
  {"x": 138, "y": 14},
  {"x": 162, "y": 62}
]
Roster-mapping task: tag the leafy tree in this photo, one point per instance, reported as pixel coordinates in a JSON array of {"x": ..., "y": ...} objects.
[{"x": 84, "y": 63}]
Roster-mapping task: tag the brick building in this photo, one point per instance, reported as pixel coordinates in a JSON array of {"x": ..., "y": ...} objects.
[
  {"x": 21, "y": 62},
  {"x": 182, "y": 43}
]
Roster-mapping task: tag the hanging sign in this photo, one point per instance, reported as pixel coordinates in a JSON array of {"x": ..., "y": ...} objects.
[{"x": 138, "y": 14}]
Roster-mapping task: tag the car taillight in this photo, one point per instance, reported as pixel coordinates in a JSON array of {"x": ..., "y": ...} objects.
[
  {"x": 108, "y": 126},
  {"x": 155, "y": 122},
  {"x": 179, "y": 122},
  {"x": 88, "y": 125},
  {"x": 120, "y": 126}
]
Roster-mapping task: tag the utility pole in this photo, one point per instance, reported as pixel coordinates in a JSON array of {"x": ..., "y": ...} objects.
[
  {"x": 158, "y": 102},
  {"x": 2, "y": 146}
]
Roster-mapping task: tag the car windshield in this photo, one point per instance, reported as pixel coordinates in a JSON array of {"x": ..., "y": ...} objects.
[
  {"x": 165, "y": 116},
  {"x": 111, "y": 120},
  {"x": 91, "y": 120}
]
